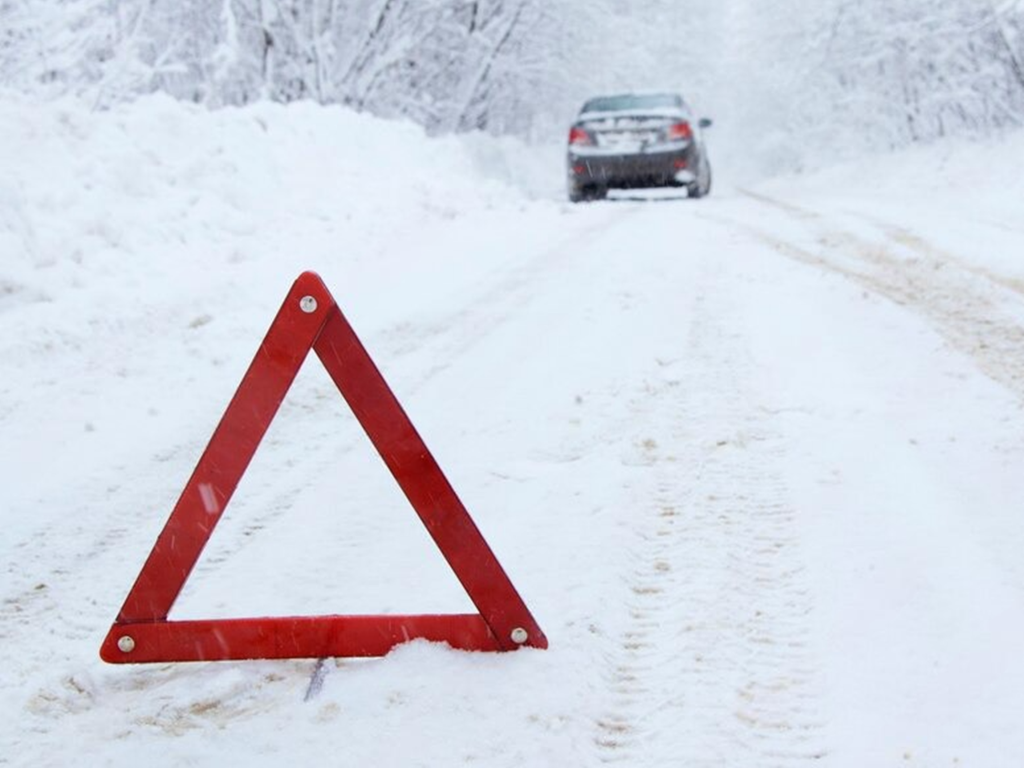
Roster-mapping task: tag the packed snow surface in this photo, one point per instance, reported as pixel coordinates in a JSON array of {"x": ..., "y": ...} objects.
[{"x": 753, "y": 461}]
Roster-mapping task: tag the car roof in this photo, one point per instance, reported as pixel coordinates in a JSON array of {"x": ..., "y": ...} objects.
[{"x": 633, "y": 102}]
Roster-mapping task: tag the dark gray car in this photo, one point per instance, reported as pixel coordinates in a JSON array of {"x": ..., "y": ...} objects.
[{"x": 633, "y": 141}]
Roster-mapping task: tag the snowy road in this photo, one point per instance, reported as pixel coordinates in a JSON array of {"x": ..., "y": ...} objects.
[{"x": 753, "y": 462}]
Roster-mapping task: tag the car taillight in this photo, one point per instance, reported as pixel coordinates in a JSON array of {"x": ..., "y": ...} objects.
[
  {"x": 580, "y": 136},
  {"x": 680, "y": 131}
]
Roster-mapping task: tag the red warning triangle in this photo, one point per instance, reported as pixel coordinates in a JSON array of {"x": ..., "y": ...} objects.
[{"x": 310, "y": 319}]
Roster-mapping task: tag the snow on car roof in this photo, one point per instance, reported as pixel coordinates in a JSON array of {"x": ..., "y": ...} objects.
[{"x": 633, "y": 101}]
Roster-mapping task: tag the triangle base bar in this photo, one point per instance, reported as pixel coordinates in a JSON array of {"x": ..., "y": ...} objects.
[{"x": 293, "y": 637}]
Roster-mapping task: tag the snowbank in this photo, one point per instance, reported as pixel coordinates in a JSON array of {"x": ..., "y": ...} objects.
[
  {"x": 176, "y": 182},
  {"x": 972, "y": 175}
]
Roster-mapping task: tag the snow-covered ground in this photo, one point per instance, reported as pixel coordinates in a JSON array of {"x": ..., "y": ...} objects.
[{"x": 753, "y": 461}]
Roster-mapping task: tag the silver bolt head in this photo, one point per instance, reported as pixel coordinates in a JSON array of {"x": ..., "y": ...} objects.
[
  {"x": 519, "y": 635},
  {"x": 308, "y": 304},
  {"x": 126, "y": 644}
]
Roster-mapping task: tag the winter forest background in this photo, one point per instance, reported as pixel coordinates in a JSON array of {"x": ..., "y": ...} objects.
[{"x": 797, "y": 82}]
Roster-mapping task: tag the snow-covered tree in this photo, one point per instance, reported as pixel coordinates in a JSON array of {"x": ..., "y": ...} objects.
[{"x": 789, "y": 79}]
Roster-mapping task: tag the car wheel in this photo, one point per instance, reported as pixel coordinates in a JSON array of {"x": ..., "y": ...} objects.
[
  {"x": 587, "y": 193},
  {"x": 702, "y": 186}
]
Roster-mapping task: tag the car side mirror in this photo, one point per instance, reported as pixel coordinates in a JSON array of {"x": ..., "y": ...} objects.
[{"x": 704, "y": 122}]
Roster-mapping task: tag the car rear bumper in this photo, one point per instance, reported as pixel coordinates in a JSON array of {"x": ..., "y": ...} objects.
[{"x": 675, "y": 167}]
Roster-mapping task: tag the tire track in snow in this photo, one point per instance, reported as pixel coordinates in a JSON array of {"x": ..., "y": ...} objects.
[
  {"x": 977, "y": 311},
  {"x": 715, "y": 666}
]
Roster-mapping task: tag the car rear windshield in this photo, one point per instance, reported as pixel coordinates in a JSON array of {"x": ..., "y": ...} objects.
[{"x": 630, "y": 102}]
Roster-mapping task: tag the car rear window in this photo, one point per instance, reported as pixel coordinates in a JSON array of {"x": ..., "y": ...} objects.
[{"x": 629, "y": 102}]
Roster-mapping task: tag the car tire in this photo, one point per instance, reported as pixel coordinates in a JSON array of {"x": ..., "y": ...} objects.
[
  {"x": 701, "y": 187},
  {"x": 586, "y": 194}
]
